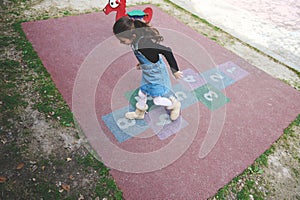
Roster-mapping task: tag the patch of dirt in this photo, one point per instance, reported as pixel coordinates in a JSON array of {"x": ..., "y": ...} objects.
[
  {"x": 40, "y": 158},
  {"x": 49, "y": 153},
  {"x": 283, "y": 174},
  {"x": 46, "y": 161}
]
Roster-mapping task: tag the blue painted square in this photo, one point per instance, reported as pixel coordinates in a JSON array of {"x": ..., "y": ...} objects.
[
  {"x": 191, "y": 79},
  {"x": 161, "y": 124},
  {"x": 185, "y": 97},
  {"x": 217, "y": 78},
  {"x": 233, "y": 70},
  {"x": 211, "y": 97},
  {"x": 122, "y": 128}
]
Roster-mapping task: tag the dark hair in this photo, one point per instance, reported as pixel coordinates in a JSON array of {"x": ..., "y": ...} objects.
[{"x": 126, "y": 27}]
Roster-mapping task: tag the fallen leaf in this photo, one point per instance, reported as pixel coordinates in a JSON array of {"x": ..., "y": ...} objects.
[
  {"x": 20, "y": 166},
  {"x": 71, "y": 177},
  {"x": 43, "y": 168},
  {"x": 66, "y": 187},
  {"x": 3, "y": 141},
  {"x": 2, "y": 179}
]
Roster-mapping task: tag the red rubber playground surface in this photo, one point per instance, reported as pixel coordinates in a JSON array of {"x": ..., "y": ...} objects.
[{"x": 231, "y": 111}]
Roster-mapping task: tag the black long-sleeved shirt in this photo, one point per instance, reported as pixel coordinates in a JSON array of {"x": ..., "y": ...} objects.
[{"x": 151, "y": 51}]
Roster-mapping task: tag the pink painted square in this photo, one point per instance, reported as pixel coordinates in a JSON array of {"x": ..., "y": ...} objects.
[
  {"x": 159, "y": 121},
  {"x": 232, "y": 70}
]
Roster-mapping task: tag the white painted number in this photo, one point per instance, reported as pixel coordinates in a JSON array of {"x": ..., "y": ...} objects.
[
  {"x": 124, "y": 123},
  {"x": 163, "y": 120},
  {"x": 189, "y": 79},
  {"x": 231, "y": 70},
  {"x": 210, "y": 95},
  {"x": 180, "y": 95},
  {"x": 216, "y": 77}
]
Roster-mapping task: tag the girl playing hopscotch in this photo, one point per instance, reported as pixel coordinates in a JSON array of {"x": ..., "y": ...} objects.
[{"x": 155, "y": 82}]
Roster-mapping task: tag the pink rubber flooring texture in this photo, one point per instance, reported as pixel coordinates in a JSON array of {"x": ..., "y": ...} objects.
[{"x": 255, "y": 111}]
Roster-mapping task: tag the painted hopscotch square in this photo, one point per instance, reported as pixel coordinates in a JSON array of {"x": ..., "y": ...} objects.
[
  {"x": 211, "y": 97},
  {"x": 217, "y": 78},
  {"x": 185, "y": 97},
  {"x": 161, "y": 124},
  {"x": 233, "y": 70},
  {"x": 191, "y": 79},
  {"x": 122, "y": 128},
  {"x": 132, "y": 96}
]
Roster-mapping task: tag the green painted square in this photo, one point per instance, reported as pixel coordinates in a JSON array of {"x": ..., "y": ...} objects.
[
  {"x": 211, "y": 97},
  {"x": 132, "y": 97}
]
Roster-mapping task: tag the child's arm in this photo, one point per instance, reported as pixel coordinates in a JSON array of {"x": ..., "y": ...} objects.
[
  {"x": 152, "y": 50},
  {"x": 167, "y": 52},
  {"x": 178, "y": 74}
]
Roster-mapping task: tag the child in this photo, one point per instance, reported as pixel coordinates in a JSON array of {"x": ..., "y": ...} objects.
[{"x": 155, "y": 82}]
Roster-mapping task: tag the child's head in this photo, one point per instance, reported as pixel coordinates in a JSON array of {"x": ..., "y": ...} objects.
[
  {"x": 127, "y": 30},
  {"x": 123, "y": 29}
]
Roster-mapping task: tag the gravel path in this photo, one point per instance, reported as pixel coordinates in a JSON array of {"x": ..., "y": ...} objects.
[{"x": 272, "y": 26}]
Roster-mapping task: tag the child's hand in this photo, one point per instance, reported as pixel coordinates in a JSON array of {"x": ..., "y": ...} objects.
[
  {"x": 178, "y": 75},
  {"x": 138, "y": 66}
]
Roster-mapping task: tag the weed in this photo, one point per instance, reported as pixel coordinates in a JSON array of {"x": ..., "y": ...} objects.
[
  {"x": 10, "y": 99},
  {"x": 106, "y": 185},
  {"x": 50, "y": 102},
  {"x": 48, "y": 190}
]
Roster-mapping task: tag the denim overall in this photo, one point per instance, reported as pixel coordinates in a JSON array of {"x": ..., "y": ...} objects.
[{"x": 155, "y": 77}]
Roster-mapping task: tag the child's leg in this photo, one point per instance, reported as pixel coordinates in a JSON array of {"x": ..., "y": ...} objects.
[
  {"x": 142, "y": 101},
  {"x": 171, "y": 103},
  {"x": 141, "y": 108},
  {"x": 174, "y": 108},
  {"x": 162, "y": 101}
]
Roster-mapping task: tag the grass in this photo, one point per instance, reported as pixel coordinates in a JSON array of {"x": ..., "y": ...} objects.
[
  {"x": 105, "y": 186},
  {"x": 11, "y": 101},
  {"x": 254, "y": 171},
  {"x": 28, "y": 75},
  {"x": 51, "y": 101}
]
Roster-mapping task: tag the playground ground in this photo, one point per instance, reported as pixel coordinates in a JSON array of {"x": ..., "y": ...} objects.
[{"x": 43, "y": 154}]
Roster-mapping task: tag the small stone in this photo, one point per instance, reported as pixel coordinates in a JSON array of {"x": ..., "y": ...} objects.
[
  {"x": 81, "y": 197},
  {"x": 251, "y": 197},
  {"x": 34, "y": 168}
]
